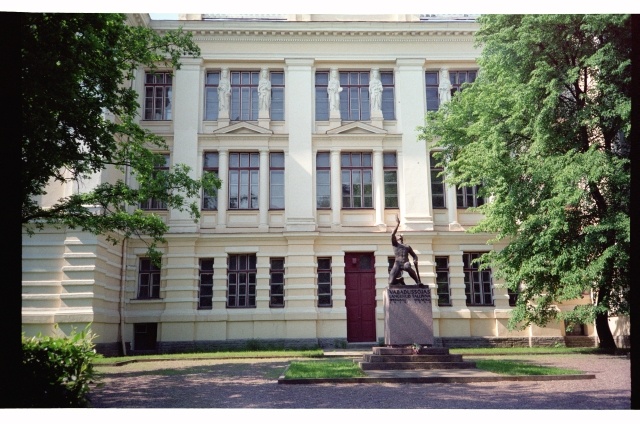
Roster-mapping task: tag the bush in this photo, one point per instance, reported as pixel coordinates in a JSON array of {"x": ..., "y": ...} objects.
[{"x": 57, "y": 371}]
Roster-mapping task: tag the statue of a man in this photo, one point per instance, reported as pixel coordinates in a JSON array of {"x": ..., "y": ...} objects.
[
  {"x": 444, "y": 88},
  {"x": 402, "y": 252},
  {"x": 224, "y": 91}
]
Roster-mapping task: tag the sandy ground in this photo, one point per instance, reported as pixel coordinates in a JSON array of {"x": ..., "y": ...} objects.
[{"x": 241, "y": 384}]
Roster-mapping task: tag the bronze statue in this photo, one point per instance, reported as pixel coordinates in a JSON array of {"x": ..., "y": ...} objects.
[{"x": 402, "y": 252}]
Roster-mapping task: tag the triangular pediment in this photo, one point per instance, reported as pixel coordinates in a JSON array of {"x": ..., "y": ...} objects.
[
  {"x": 242, "y": 128},
  {"x": 357, "y": 128}
]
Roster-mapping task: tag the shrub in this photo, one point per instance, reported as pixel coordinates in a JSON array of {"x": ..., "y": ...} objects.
[{"x": 57, "y": 371}]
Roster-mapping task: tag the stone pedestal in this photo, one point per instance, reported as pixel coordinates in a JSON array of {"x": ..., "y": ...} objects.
[{"x": 408, "y": 317}]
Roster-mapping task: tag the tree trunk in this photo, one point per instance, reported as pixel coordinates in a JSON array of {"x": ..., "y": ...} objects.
[{"x": 602, "y": 326}]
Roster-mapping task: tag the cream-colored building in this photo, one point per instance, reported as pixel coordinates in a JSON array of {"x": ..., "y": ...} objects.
[{"x": 316, "y": 144}]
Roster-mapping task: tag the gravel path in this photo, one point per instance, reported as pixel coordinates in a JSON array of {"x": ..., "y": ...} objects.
[{"x": 253, "y": 384}]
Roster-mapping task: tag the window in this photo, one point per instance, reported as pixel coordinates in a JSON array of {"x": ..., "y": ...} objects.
[
  {"x": 148, "y": 280},
  {"x": 276, "y": 283},
  {"x": 243, "y": 180},
  {"x": 276, "y": 181},
  {"x": 390, "y": 180},
  {"x": 354, "y": 97},
  {"x": 145, "y": 335},
  {"x": 323, "y": 180},
  {"x": 324, "y": 282},
  {"x": 438, "y": 193},
  {"x": 210, "y": 164},
  {"x": 442, "y": 280},
  {"x": 244, "y": 95},
  {"x": 513, "y": 297},
  {"x": 157, "y": 96},
  {"x": 467, "y": 197},
  {"x": 457, "y": 78},
  {"x": 357, "y": 187},
  {"x": 205, "y": 291},
  {"x": 477, "y": 283},
  {"x": 241, "y": 283},
  {"x": 157, "y": 204}
]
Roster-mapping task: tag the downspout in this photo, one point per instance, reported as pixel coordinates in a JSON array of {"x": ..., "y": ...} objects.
[{"x": 123, "y": 264}]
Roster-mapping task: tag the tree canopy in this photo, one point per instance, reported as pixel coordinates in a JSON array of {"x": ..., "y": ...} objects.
[
  {"x": 79, "y": 116},
  {"x": 543, "y": 130}
]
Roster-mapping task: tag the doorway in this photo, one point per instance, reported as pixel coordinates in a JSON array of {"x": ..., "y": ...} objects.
[{"x": 360, "y": 295}]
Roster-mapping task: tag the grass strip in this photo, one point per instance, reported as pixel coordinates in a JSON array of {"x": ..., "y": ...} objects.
[
  {"x": 313, "y": 353},
  {"x": 525, "y": 350},
  {"x": 521, "y": 368},
  {"x": 324, "y": 368}
]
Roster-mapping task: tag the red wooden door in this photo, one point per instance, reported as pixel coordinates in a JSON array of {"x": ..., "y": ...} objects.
[{"x": 360, "y": 297}]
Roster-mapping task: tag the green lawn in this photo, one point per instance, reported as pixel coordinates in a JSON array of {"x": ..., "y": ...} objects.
[
  {"x": 324, "y": 368},
  {"x": 510, "y": 367}
]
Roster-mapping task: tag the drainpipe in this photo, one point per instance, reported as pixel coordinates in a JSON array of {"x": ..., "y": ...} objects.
[{"x": 123, "y": 265}]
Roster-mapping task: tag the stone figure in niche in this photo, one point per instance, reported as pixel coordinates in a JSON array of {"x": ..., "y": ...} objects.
[
  {"x": 264, "y": 90},
  {"x": 224, "y": 91},
  {"x": 444, "y": 88},
  {"x": 375, "y": 90},
  {"x": 402, "y": 252},
  {"x": 334, "y": 90}
]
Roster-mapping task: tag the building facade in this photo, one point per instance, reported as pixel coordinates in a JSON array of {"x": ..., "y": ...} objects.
[{"x": 311, "y": 122}]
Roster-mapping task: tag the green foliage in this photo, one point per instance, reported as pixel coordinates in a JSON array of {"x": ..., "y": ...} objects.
[
  {"x": 520, "y": 368},
  {"x": 544, "y": 130},
  {"x": 57, "y": 371},
  {"x": 79, "y": 113},
  {"x": 328, "y": 368}
]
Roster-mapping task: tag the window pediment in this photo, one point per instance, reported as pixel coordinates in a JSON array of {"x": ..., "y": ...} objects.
[
  {"x": 243, "y": 128},
  {"x": 356, "y": 128}
]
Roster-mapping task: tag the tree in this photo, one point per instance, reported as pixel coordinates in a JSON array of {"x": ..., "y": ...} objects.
[
  {"x": 543, "y": 129},
  {"x": 77, "y": 70}
]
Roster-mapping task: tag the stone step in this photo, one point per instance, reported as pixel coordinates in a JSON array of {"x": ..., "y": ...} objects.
[
  {"x": 368, "y": 357},
  {"x": 579, "y": 341},
  {"x": 409, "y": 351},
  {"x": 415, "y": 365}
]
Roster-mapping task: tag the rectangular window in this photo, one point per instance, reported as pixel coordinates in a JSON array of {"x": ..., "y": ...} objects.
[
  {"x": 438, "y": 193},
  {"x": 323, "y": 180},
  {"x": 324, "y": 282},
  {"x": 459, "y": 78},
  {"x": 244, "y": 95},
  {"x": 145, "y": 336},
  {"x": 277, "y": 96},
  {"x": 390, "y": 165},
  {"x": 212, "y": 80},
  {"x": 210, "y": 164},
  {"x": 432, "y": 80},
  {"x": 148, "y": 280},
  {"x": 442, "y": 280},
  {"x": 241, "y": 281},
  {"x": 467, "y": 197},
  {"x": 244, "y": 170},
  {"x": 157, "y": 204},
  {"x": 513, "y": 297},
  {"x": 276, "y": 283},
  {"x": 388, "y": 95},
  {"x": 322, "y": 96},
  {"x": 477, "y": 283},
  {"x": 354, "y": 97},
  {"x": 157, "y": 96},
  {"x": 276, "y": 180},
  {"x": 357, "y": 186},
  {"x": 205, "y": 290}
]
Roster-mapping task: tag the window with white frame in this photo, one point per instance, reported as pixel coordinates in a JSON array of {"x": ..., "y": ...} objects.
[
  {"x": 390, "y": 164},
  {"x": 442, "y": 281},
  {"x": 157, "y": 96},
  {"x": 438, "y": 193},
  {"x": 324, "y": 282},
  {"x": 469, "y": 197},
  {"x": 152, "y": 203},
  {"x": 477, "y": 282},
  {"x": 323, "y": 180},
  {"x": 210, "y": 164},
  {"x": 276, "y": 282},
  {"x": 357, "y": 180},
  {"x": 241, "y": 281},
  {"x": 205, "y": 288},
  {"x": 457, "y": 79},
  {"x": 276, "y": 180},
  {"x": 148, "y": 279},
  {"x": 244, "y": 180}
]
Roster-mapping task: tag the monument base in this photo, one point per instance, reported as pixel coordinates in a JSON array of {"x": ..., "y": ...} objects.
[{"x": 408, "y": 317}]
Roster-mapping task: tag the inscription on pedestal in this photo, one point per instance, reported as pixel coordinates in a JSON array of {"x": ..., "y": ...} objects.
[{"x": 408, "y": 317}]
